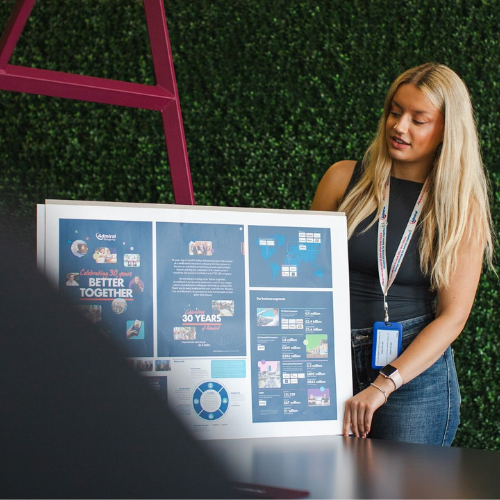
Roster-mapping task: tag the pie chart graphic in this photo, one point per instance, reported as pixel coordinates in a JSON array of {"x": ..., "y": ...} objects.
[{"x": 210, "y": 401}]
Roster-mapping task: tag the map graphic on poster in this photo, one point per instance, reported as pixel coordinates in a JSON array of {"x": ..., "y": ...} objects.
[
  {"x": 106, "y": 268},
  {"x": 237, "y": 318},
  {"x": 289, "y": 257}
]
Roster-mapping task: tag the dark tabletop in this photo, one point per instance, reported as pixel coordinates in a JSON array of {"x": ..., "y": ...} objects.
[{"x": 338, "y": 467}]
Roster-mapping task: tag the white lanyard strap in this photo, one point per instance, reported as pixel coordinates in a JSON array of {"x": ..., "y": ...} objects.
[{"x": 387, "y": 281}]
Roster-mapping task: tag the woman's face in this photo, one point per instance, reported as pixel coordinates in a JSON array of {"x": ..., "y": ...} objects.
[{"x": 414, "y": 130}]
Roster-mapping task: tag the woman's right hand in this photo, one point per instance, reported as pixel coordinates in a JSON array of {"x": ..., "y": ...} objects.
[{"x": 359, "y": 410}]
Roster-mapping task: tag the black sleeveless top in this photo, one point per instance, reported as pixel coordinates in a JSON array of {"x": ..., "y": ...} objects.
[{"x": 410, "y": 295}]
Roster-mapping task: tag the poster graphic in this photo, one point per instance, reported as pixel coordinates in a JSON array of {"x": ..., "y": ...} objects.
[
  {"x": 95, "y": 272},
  {"x": 291, "y": 257},
  {"x": 201, "y": 290},
  {"x": 237, "y": 318},
  {"x": 210, "y": 400},
  {"x": 293, "y": 362}
]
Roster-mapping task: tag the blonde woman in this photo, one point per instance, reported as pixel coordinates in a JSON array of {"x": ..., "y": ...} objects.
[{"x": 419, "y": 228}]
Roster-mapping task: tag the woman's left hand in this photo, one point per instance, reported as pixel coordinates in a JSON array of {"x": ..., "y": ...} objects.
[{"x": 359, "y": 410}]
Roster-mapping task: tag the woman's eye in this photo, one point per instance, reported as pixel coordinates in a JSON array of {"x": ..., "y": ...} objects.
[
  {"x": 416, "y": 122},
  {"x": 395, "y": 114}
]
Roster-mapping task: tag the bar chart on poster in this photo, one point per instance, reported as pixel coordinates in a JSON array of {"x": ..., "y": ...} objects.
[{"x": 238, "y": 318}]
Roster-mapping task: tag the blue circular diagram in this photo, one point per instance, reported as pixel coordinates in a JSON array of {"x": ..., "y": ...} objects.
[{"x": 210, "y": 401}]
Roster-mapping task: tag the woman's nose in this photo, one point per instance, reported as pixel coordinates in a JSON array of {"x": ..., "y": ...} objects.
[{"x": 402, "y": 124}]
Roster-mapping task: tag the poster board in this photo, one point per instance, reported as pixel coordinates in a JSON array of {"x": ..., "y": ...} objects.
[{"x": 238, "y": 318}]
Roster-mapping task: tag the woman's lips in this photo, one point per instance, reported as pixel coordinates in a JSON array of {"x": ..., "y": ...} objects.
[{"x": 398, "y": 143}]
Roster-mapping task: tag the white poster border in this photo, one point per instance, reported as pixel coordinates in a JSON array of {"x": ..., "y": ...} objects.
[{"x": 242, "y": 426}]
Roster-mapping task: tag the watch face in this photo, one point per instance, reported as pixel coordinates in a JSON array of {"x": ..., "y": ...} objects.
[{"x": 388, "y": 370}]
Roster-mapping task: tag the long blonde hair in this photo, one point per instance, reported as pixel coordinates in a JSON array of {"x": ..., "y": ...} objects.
[{"x": 457, "y": 207}]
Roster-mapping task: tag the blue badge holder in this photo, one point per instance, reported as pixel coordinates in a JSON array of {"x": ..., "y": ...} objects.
[{"x": 387, "y": 343}]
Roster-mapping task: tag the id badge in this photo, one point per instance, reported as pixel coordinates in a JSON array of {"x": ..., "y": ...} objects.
[{"x": 387, "y": 343}]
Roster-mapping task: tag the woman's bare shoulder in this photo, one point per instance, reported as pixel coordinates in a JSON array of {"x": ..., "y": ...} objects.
[{"x": 333, "y": 185}]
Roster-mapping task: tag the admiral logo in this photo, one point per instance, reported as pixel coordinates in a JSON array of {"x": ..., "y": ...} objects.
[
  {"x": 414, "y": 218},
  {"x": 105, "y": 237}
]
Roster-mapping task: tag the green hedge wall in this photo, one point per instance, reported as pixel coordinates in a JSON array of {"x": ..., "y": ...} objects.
[{"x": 272, "y": 93}]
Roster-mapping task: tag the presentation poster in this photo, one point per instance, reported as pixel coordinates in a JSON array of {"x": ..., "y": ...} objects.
[
  {"x": 106, "y": 267},
  {"x": 201, "y": 292},
  {"x": 237, "y": 318}
]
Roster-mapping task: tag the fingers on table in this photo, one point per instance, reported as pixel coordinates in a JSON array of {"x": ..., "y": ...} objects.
[{"x": 358, "y": 417}]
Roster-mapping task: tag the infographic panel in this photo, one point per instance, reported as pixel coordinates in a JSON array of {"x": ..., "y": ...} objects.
[
  {"x": 201, "y": 290},
  {"x": 106, "y": 268},
  {"x": 211, "y": 396},
  {"x": 293, "y": 358}
]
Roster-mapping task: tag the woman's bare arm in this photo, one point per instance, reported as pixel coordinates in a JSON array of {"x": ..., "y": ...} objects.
[{"x": 453, "y": 308}]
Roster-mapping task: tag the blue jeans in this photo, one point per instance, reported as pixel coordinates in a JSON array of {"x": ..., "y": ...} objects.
[{"x": 426, "y": 409}]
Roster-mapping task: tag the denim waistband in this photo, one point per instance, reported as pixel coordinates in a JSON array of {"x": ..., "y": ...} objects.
[{"x": 410, "y": 327}]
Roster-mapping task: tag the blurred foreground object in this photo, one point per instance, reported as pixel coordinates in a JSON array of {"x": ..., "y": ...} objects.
[{"x": 75, "y": 420}]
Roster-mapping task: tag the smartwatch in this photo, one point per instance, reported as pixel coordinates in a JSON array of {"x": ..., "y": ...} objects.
[{"x": 389, "y": 371}]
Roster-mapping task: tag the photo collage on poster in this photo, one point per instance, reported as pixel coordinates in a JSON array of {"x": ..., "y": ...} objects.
[{"x": 106, "y": 267}]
